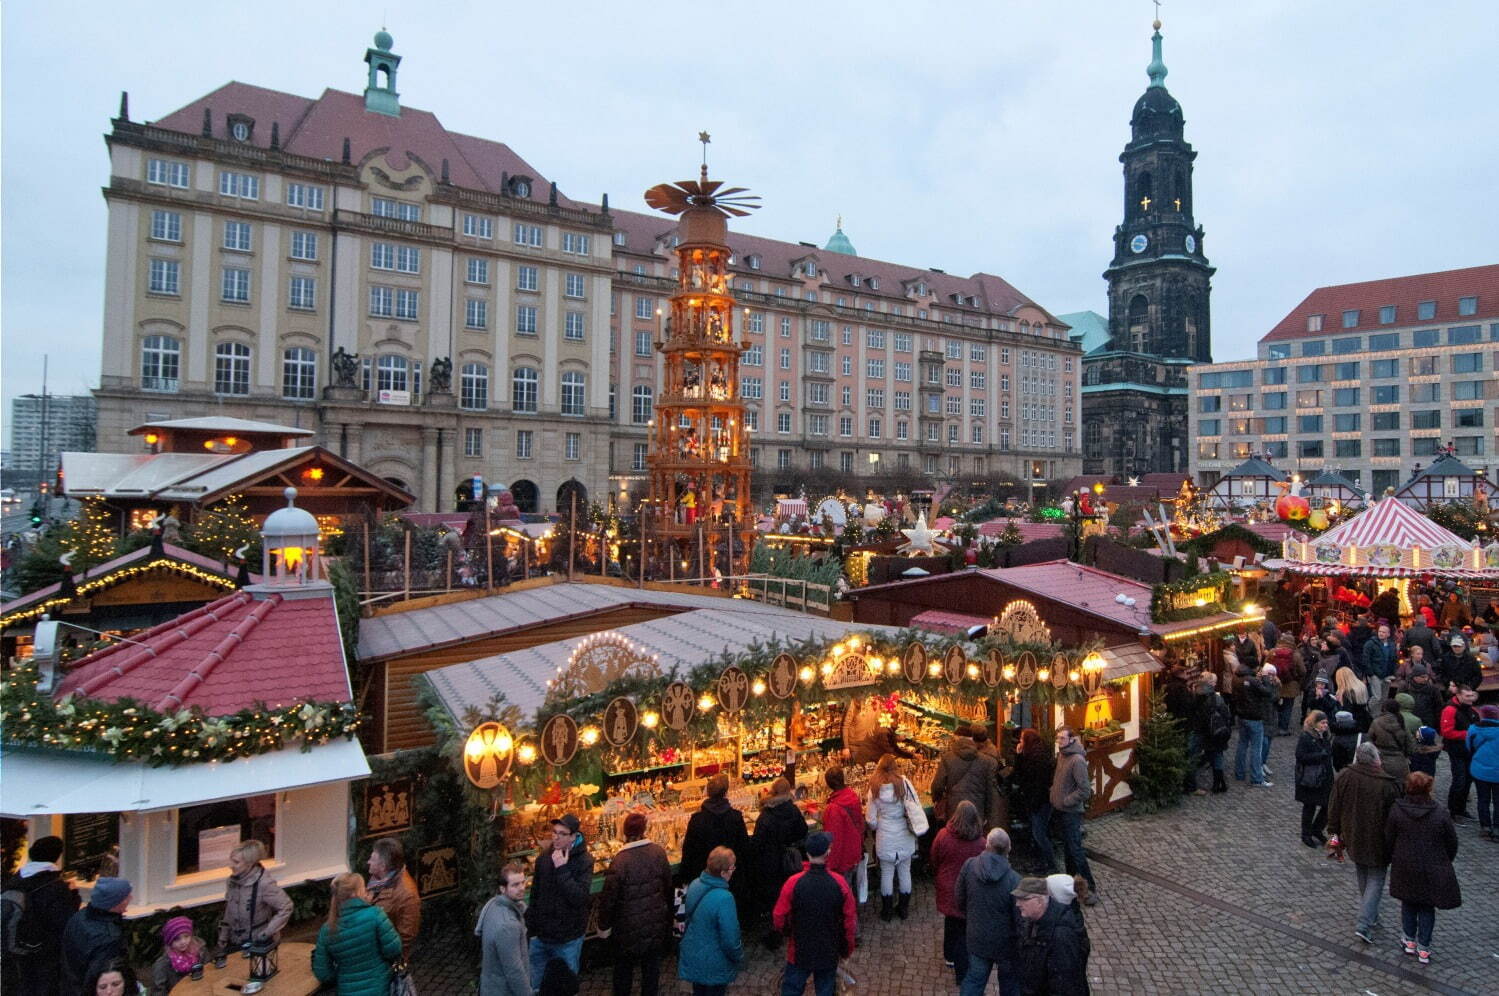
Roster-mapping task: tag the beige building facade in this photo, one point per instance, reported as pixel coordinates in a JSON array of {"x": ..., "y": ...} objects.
[{"x": 432, "y": 307}]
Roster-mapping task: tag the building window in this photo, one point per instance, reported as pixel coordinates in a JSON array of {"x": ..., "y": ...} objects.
[
  {"x": 1468, "y": 418},
  {"x": 477, "y": 226},
  {"x": 304, "y": 195},
  {"x": 299, "y": 374},
  {"x": 1386, "y": 448},
  {"x": 572, "y": 285},
  {"x": 528, "y": 235},
  {"x": 1348, "y": 344},
  {"x": 304, "y": 245},
  {"x": 473, "y": 387},
  {"x": 1309, "y": 423},
  {"x": 977, "y": 379},
  {"x": 875, "y": 369},
  {"x": 1386, "y": 394},
  {"x": 1347, "y": 448},
  {"x": 1314, "y": 347},
  {"x": 1385, "y": 421},
  {"x": 1309, "y": 449},
  {"x": 1426, "y": 311},
  {"x": 1380, "y": 369},
  {"x": 874, "y": 428},
  {"x": 165, "y": 277},
  {"x": 752, "y": 388},
  {"x": 231, "y": 369},
  {"x": 1387, "y": 315},
  {"x": 1467, "y": 306},
  {"x": 785, "y": 359},
  {"x": 1468, "y": 445},
  {"x": 575, "y": 243},
  {"x": 392, "y": 373},
  {"x": 166, "y": 173},
  {"x": 645, "y": 307},
  {"x": 572, "y": 326},
  {"x": 785, "y": 328},
  {"x": 757, "y": 322},
  {"x": 1210, "y": 403},
  {"x": 236, "y": 284},
  {"x": 572, "y": 393},
  {"x": 303, "y": 294},
  {"x": 641, "y": 404},
  {"x": 638, "y": 455},
  {"x": 523, "y": 390},
  {"x": 783, "y": 422},
  {"x": 874, "y": 398},
  {"x": 473, "y": 442},
  {"x": 1314, "y": 323},
  {"x": 817, "y": 393},
  {"x": 525, "y": 319},
  {"x": 642, "y": 343},
  {"x": 382, "y": 302},
  {"x": 166, "y": 226},
  {"x": 903, "y": 372},
  {"x": 1467, "y": 363},
  {"x": 161, "y": 357},
  {"x": 384, "y": 207},
  {"x": 1467, "y": 390},
  {"x": 1426, "y": 419},
  {"x": 783, "y": 460},
  {"x": 874, "y": 338},
  {"x": 407, "y": 304},
  {"x": 1464, "y": 335},
  {"x": 478, "y": 271},
  {"x": 572, "y": 446},
  {"x": 1348, "y": 422},
  {"x": 1350, "y": 319},
  {"x": 1345, "y": 397},
  {"x": 953, "y": 377},
  {"x": 242, "y": 185},
  {"x": 526, "y": 278},
  {"x": 523, "y": 442}
]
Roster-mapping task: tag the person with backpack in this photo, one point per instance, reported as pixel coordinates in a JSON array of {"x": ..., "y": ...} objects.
[
  {"x": 38, "y": 903},
  {"x": 95, "y": 934},
  {"x": 779, "y": 831},
  {"x": 1209, "y": 733},
  {"x": 1291, "y": 670}
]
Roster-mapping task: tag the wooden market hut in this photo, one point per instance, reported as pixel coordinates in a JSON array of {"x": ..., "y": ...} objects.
[
  {"x": 1445, "y": 479},
  {"x": 1332, "y": 486},
  {"x": 1248, "y": 484}
]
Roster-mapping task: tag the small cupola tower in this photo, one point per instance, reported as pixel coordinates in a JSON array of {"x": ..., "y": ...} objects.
[{"x": 380, "y": 95}]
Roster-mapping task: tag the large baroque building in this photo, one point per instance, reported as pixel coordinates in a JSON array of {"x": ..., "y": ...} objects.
[
  {"x": 1367, "y": 379},
  {"x": 1134, "y": 382},
  {"x": 434, "y": 308}
]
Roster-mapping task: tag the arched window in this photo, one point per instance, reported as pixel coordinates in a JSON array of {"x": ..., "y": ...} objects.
[
  {"x": 1144, "y": 192},
  {"x": 299, "y": 374},
  {"x": 161, "y": 359},
  {"x": 392, "y": 373},
  {"x": 641, "y": 404},
  {"x": 572, "y": 393},
  {"x": 473, "y": 387},
  {"x": 231, "y": 369},
  {"x": 523, "y": 390}
]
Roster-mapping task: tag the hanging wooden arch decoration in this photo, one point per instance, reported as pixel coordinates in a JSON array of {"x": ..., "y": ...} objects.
[
  {"x": 782, "y": 679},
  {"x": 953, "y": 664},
  {"x": 1025, "y": 670},
  {"x": 991, "y": 667},
  {"x": 913, "y": 663},
  {"x": 559, "y": 739}
]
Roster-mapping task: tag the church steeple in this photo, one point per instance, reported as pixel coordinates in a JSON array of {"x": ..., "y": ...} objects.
[
  {"x": 380, "y": 94},
  {"x": 1157, "y": 68}
]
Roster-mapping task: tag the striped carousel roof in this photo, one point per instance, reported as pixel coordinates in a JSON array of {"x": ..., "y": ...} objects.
[
  {"x": 1370, "y": 571},
  {"x": 1391, "y": 522}
]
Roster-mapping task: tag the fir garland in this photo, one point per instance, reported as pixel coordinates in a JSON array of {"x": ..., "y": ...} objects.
[
  {"x": 127, "y": 730},
  {"x": 1233, "y": 532},
  {"x": 1161, "y": 610}
]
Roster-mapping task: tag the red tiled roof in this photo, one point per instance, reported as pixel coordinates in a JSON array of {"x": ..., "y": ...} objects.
[
  {"x": 228, "y": 655},
  {"x": 1403, "y": 292},
  {"x": 1029, "y": 531},
  {"x": 1275, "y": 532},
  {"x": 946, "y": 623},
  {"x": 317, "y": 129},
  {"x": 137, "y": 557}
]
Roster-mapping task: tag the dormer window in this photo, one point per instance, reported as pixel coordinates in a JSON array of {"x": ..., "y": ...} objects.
[
  {"x": 520, "y": 186},
  {"x": 754, "y": 262},
  {"x": 809, "y": 268},
  {"x": 241, "y": 127},
  {"x": 921, "y": 290},
  {"x": 957, "y": 298},
  {"x": 874, "y": 283},
  {"x": 855, "y": 279},
  {"x": 619, "y": 238}
]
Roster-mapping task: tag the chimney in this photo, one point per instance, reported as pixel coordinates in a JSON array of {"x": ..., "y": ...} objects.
[{"x": 207, "y": 122}]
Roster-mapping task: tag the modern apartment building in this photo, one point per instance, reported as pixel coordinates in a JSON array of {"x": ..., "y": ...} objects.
[
  {"x": 1365, "y": 379},
  {"x": 434, "y": 308},
  {"x": 41, "y": 428}
]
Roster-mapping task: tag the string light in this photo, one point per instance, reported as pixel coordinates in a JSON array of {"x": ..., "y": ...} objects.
[
  {"x": 649, "y": 720},
  {"x": 118, "y": 576}
]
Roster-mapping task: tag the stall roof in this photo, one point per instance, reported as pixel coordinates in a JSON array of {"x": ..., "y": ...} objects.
[
  {"x": 1128, "y": 659},
  {"x": 681, "y": 642},
  {"x": 947, "y": 623},
  {"x": 397, "y": 633},
  {"x": 39, "y": 782}
]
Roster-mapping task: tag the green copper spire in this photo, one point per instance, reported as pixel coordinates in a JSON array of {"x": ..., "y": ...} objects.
[{"x": 1157, "y": 67}]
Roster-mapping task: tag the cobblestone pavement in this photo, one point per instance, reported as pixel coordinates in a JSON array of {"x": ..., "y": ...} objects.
[{"x": 1217, "y": 896}]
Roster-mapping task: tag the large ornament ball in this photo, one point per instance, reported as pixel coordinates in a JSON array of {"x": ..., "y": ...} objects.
[{"x": 1292, "y": 508}]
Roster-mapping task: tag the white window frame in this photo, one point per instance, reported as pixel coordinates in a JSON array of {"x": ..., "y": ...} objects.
[
  {"x": 525, "y": 319},
  {"x": 166, "y": 226},
  {"x": 234, "y": 285},
  {"x": 168, "y": 173},
  {"x": 244, "y": 186},
  {"x": 478, "y": 226},
  {"x": 299, "y": 374},
  {"x": 475, "y": 313},
  {"x": 304, "y": 246},
  {"x": 161, "y": 364},
  {"x": 473, "y": 387},
  {"x": 525, "y": 391},
  {"x": 477, "y": 271},
  {"x": 574, "y": 394},
  {"x": 574, "y": 326},
  {"x": 302, "y": 294},
  {"x": 238, "y": 236},
  {"x": 231, "y": 369},
  {"x": 307, "y": 196}
]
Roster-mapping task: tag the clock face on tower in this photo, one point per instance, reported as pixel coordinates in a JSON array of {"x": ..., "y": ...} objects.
[
  {"x": 1191, "y": 243},
  {"x": 1138, "y": 244}
]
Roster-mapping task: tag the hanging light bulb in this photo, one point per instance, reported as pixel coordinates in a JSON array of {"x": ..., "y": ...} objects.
[
  {"x": 649, "y": 720},
  {"x": 706, "y": 703},
  {"x": 806, "y": 674},
  {"x": 588, "y": 736},
  {"x": 757, "y": 687}
]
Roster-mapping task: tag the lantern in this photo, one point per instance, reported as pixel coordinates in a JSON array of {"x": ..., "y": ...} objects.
[
  {"x": 486, "y": 755},
  {"x": 263, "y": 964},
  {"x": 1093, "y": 666},
  {"x": 290, "y": 540}
]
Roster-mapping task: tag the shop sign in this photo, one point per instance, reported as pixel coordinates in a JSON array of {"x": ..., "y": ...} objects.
[
  {"x": 954, "y": 664},
  {"x": 621, "y": 720},
  {"x": 387, "y": 807},
  {"x": 992, "y": 666},
  {"x": 913, "y": 663},
  {"x": 1179, "y": 600},
  {"x": 733, "y": 690},
  {"x": 89, "y": 841},
  {"x": 849, "y": 671},
  {"x": 436, "y": 870},
  {"x": 677, "y": 703},
  {"x": 559, "y": 739},
  {"x": 782, "y": 679}
]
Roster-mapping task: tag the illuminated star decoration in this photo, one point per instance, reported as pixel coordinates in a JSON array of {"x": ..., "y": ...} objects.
[
  {"x": 1134, "y": 482},
  {"x": 705, "y": 138},
  {"x": 919, "y": 539}
]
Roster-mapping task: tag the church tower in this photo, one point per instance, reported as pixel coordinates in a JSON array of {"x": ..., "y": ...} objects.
[
  {"x": 1135, "y": 391},
  {"x": 1159, "y": 277}
]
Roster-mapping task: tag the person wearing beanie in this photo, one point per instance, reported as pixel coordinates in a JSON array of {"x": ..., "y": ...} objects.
[
  {"x": 1483, "y": 765},
  {"x": 1428, "y": 747},
  {"x": 1408, "y": 715},
  {"x": 636, "y": 908},
  {"x": 1394, "y": 741},
  {"x": 1052, "y": 947},
  {"x": 816, "y": 911},
  {"x": 50, "y": 902},
  {"x": 181, "y": 950},
  {"x": 779, "y": 830},
  {"x": 95, "y": 934},
  {"x": 1427, "y": 696}
]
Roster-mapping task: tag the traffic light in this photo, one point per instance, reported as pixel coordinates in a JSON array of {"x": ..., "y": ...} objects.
[{"x": 36, "y": 516}]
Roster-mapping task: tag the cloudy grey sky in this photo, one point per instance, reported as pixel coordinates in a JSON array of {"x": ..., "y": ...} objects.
[{"x": 1338, "y": 140}]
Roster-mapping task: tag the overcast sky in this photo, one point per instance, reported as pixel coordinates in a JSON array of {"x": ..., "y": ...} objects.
[{"x": 1338, "y": 140}]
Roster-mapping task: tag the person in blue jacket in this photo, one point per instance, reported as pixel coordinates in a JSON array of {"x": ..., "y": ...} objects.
[
  {"x": 1483, "y": 765},
  {"x": 711, "y": 950}
]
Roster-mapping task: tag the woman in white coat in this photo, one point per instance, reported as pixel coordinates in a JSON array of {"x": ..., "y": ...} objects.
[{"x": 895, "y": 812}]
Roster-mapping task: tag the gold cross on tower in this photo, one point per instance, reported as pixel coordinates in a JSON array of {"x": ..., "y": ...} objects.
[
  {"x": 1178, "y": 203},
  {"x": 1145, "y": 203}
]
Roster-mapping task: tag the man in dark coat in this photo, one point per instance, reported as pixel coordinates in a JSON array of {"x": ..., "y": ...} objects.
[
  {"x": 779, "y": 828},
  {"x": 1426, "y": 694},
  {"x": 1070, "y": 790},
  {"x": 1053, "y": 947},
  {"x": 50, "y": 903},
  {"x": 965, "y": 773},
  {"x": 1458, "y": 667},
  {"x": 717, "y": 824},
  {"x": 561, "y": 884},
  {"x": 1421, "y": 635},
  {"x": 817, "y": 912},
  {"x": 1422, "y": 842},
  {"x": 636, "y": 907},
  {"x": 984, "y": 895},
  {"x": 1359, "y": 634},
  {"x": 95, "y": 934},
  {"x": 1362, "y": 795}
]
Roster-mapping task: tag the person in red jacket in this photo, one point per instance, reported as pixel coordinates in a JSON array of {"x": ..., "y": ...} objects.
[
  {"x": 1459, "y": 714},
  {"x": 808, "y": 913},
  {"x": 843, "y": 817},
  {"x": 962, "y": 838}
]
